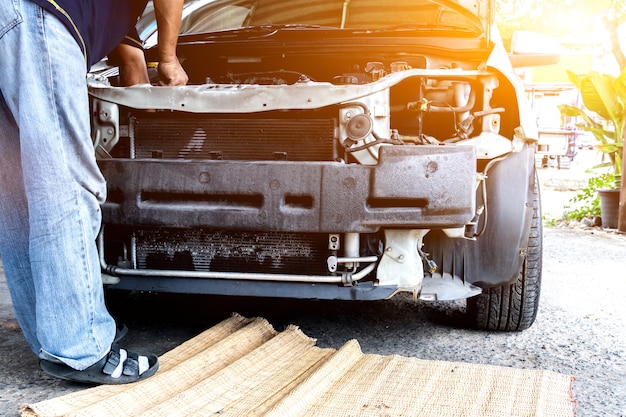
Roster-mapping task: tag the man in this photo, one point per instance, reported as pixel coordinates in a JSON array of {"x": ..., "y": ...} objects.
[{"x": 50, "y": 185}]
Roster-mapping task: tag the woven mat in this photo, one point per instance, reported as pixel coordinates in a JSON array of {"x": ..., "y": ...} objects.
[{"x": 243, "y": 367}]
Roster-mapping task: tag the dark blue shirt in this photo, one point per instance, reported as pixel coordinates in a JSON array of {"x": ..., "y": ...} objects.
[{"x": 97, "y": 25}]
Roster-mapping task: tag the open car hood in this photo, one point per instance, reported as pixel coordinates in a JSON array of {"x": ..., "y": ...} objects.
[
  {"x": 484, "y": 10},
  {"x": 448, "y": 18}
]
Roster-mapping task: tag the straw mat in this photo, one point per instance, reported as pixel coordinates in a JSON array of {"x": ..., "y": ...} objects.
[{"x": 243, "y": 367}]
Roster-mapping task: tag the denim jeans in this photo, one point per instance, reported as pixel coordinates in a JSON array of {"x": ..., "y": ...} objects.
[{"x": 50, "y": 189}]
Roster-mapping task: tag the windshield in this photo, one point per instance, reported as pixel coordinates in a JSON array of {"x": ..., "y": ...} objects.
[{"x": 218, "y": 15}]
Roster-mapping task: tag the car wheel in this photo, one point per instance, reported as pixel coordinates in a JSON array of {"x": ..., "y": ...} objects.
[{"x": 514, "y": 307}]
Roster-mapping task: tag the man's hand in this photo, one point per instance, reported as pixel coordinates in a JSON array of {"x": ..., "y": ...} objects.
[
  {"x": 172, "y": 73},
  {"x": 168, "y": 15}
]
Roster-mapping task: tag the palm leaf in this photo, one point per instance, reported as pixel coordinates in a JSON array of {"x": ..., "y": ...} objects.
[{"x": 598, "y": 93}]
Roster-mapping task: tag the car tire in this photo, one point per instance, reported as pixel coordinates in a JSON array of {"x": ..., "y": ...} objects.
[{"x": 514, "y": 307}]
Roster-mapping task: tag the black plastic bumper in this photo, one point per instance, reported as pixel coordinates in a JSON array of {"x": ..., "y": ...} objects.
[{"x": 412, "y": 186}]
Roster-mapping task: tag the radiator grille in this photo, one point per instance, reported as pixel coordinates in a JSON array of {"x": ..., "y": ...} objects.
[
  {"x": 228, "y": 251},
  {"x": 177, "y": 136}
]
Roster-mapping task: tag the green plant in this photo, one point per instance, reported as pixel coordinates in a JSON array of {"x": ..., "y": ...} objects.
[
  {"x": 586, "y": 204},
  {"x": 604, "y": 95},
  {"x": 549, "y": 221}
]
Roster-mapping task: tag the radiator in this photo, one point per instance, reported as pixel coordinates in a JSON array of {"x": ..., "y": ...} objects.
[
  {"x": 231, "y": 251},
  {"x": 191, "y": 136}
]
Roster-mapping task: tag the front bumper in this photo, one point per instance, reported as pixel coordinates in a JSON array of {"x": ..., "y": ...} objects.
[{"x": 411, "y": 187}]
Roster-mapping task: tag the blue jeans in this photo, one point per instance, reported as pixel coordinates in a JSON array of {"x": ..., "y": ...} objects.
[{"x": 50, "y": 189}]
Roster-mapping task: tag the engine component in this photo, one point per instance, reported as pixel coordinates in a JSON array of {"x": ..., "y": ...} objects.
[{"x": 359, "y": 127}]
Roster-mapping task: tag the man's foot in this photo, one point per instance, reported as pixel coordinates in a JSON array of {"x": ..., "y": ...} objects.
[{"x": 117, "y": 367}]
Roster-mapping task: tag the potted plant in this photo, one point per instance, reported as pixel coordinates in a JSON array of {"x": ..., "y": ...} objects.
[{"x": 604, "y": 95}]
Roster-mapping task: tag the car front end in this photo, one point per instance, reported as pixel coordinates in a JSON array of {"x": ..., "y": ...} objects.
[{"x": 327, "y": 150}]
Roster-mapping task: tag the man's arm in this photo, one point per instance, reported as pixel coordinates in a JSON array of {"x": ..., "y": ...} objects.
[
  {"x": 168, "y": 15},
  {"x": 132, "y": 64}
]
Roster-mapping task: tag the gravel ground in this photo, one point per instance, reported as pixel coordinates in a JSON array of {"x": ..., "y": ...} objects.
[{"x": 580, "y": 328}]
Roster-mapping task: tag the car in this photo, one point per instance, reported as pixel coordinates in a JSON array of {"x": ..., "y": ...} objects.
[
  {"x": 585, "y": 140},
  {"x": 557, "y": 144},
  {"x": 348, "y": 150}
]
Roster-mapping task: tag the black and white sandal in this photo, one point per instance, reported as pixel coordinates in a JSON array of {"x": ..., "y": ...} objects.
[{"x": 117, "y": 367}]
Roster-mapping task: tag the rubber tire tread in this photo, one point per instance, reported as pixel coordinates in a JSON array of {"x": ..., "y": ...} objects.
[{"x": 514, "y": 307}]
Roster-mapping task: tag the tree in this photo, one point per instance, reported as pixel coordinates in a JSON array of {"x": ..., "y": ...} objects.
[{"x": 615, "y": 16}]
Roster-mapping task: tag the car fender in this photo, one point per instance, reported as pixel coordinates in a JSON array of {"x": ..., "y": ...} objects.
[{"x": 493, "y": 258}]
